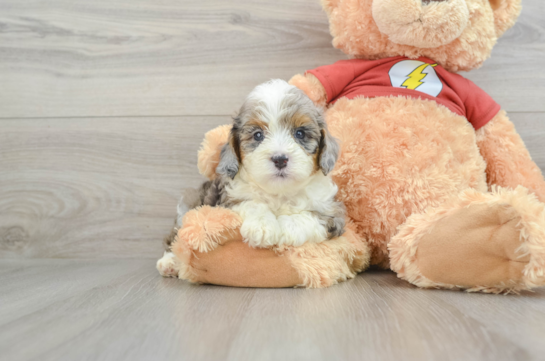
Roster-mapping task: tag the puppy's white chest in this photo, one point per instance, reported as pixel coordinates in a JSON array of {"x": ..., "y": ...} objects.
[{"x": 288, "y": 207}]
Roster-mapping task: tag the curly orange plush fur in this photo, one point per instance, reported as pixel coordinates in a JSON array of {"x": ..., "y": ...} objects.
[
  {"x": 397, "y": 159},
  {"x": 355, "y": 31},
  {"x": 427, "y": 196}
]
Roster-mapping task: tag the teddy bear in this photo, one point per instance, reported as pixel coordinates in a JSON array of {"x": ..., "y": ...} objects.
[{"x": 437, "y": 184}]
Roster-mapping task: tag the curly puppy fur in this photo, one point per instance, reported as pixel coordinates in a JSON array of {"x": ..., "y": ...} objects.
[
  {"x": 278, "y": 156},
  {"x": 210, "y": 193}
]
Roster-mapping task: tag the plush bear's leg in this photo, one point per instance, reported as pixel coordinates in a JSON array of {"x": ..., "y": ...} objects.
[
  {"x": 492, "y": 242},
  {"x": 209, "y": 249}
]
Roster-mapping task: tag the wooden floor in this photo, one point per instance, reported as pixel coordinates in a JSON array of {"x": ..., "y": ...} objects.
[
  {"x": 121, "y": 310},
  {"x": 103, "y": 105}
]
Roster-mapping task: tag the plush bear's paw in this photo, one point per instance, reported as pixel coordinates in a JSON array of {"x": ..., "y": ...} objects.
[
  {"x": 206, "y": 227},
  {"x": 167, "y": 265}
]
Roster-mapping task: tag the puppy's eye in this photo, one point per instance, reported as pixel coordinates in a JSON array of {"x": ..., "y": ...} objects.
[
  {"x": 300, "y": 134},
  {"x": 258, "y": 136}
]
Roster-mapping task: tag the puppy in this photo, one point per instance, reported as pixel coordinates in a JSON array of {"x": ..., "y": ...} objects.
[{"x": 274, "y": 173}]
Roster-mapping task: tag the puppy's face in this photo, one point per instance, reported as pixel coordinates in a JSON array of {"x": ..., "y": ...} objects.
[{"x": 279, "y": 138}]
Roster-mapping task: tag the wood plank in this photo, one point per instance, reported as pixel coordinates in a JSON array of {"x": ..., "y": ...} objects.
[
  {"x": 116, "y": 58},
  {"x": 71, "y": 58},
  {"x": 51, "y": 281},
  {"x": 108, "y": 187},
  {"x": 521, "y": 319},
  {"x": 86, "y": 187},
  {"x": 122, "y": 309}
]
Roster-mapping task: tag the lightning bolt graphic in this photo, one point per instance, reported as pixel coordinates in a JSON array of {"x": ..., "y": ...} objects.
[{"x": 414, "y": 78}]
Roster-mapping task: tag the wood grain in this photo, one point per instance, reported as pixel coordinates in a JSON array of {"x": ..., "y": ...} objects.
[
  {"x": 73, "y": 58},
  {"x": 122, "y": 309},
  {"x": 119, "y": 58},
  {"x": 95, "y": 187},
  {"x": 108, "y": 187}
]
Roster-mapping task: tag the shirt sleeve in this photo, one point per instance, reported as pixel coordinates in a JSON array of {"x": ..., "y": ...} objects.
[
  {"x": 480, "y": 107},
  {"x": 335, "y": 77}
]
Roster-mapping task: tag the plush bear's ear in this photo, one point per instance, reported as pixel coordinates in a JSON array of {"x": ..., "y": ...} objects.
[
  {"x": 495, "y": 4},
  {"x": 506, "y": 13},
  {"x": 230, "y": 156},
  {"x": 329, "y": 5}
]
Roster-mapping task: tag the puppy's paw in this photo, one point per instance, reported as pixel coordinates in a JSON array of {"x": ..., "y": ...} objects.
[
  {"x": 260, "y": 232},
  {"x": 335, "y": 227},
  {"x": 167, "y": 265},
  {"x": 294, "y": 233}
]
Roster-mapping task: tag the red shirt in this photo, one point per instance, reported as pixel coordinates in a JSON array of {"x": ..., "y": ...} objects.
[{"x": 421, "y": 78}]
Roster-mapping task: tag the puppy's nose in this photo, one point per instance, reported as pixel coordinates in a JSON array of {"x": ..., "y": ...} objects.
[{"x": 280, "y": 161}]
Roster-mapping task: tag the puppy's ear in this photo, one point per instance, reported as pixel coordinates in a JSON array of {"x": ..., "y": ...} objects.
[
  {"x": 230, "y": 156},
  {"x": 328, "y": 151}
]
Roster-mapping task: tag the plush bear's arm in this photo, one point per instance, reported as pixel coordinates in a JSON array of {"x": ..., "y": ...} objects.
[
  {"x": 209, "y": 249},
  {"x": 236, "y": 264},
  {"x": 312, "y": 87},
  {"x": 509, "y": 163}
]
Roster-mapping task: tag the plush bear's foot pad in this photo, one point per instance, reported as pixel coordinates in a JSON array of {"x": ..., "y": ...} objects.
[
  {"x": 484, "y": 242},
  {"x": 478, "y": 245}
]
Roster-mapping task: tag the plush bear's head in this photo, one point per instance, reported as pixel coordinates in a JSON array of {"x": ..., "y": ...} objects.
[{"x": 458, "y": 34}]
